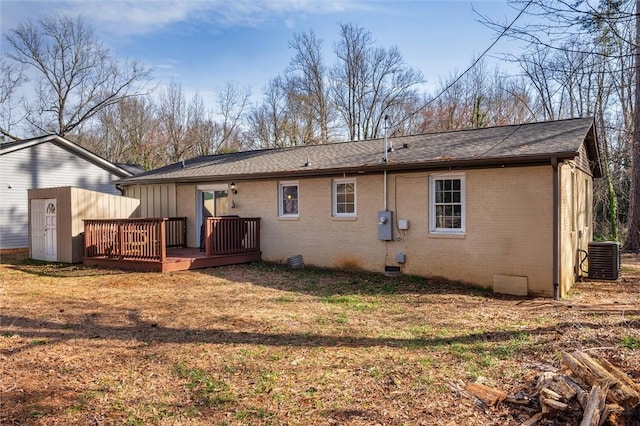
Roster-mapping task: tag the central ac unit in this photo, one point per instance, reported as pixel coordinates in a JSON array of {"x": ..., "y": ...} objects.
[{"x": 604, "y": 260}]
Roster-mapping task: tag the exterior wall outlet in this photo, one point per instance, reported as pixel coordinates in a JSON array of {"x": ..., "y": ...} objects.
[
  {"x": 401, "y": 257},
  {"x": 403, "y": 224}
]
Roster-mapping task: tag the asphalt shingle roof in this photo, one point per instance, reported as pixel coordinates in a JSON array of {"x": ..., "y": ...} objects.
[
  {"x": 486, "y": 146},
  {"x": 9, "y": 147}
]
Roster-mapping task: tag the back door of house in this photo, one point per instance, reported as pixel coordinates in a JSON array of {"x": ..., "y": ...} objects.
[
  {"x": 213, "y": 200},
  {"x": 43, "y": 230}
]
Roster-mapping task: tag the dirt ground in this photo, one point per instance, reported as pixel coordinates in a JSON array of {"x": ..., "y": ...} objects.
[{"x": 264, "y": 344}]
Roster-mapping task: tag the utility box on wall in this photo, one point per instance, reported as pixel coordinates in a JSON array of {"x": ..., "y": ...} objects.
[{"x": 385, "y": 225}]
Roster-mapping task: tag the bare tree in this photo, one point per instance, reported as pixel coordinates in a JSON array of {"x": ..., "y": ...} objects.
[
  {"x": 177, "y": 121},
  {"x": 231, "y": 105},
  {"x": 369, "y": 83},
  {"x": 632, "y": 242},
  {"x": 587, "y": 48},
  {"x": 309, "y": 81},
  {"x": 479, "y": 98},
  {"x": 128, "y": 133},
  {"x": 11, "y": 77},
  {"x": 269, "y": 121},
  {"x": 200, "y": 130},
  {"x": 77, "y": 76}
]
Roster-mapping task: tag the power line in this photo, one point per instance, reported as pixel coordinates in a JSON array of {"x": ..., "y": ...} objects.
[{"x": 450, "y": 85}]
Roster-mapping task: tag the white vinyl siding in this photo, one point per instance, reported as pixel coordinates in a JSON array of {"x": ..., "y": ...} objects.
[{"x": 45, "y": 165}]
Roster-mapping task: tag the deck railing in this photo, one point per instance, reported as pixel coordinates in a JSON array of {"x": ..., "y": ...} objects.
[
  {"x": 136, "y": 239},
  {"x": 229, "y": 235}
]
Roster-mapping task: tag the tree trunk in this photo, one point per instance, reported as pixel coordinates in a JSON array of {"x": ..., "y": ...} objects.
[{"x": 632, "y": 242}]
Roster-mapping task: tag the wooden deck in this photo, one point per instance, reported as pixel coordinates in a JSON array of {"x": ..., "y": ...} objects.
[
  {"x": 159, "y": 244},
  {"x": 177, "y": 259}
]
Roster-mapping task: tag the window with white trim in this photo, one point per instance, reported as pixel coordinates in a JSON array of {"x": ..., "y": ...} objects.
[
  {"x": 288, "y": 199},
  {"x": 344, "y": 198},
  {"x": 447, "y": 204}
]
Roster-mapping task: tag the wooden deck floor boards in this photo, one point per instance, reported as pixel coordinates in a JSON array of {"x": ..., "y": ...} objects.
[{"x": 177, "y": 259}]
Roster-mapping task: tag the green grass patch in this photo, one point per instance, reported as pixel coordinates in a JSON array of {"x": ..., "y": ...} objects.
[
  {"x": 631, "y": 342},
  {"x": 253, "y": 413},
  {"x": 285, "y": 299},
  {"x": 352, "y": 302},
  {"x": 514, "y": 345},
  {"x": 266, "y": 381},
  {"x": 341, "y": 319},
  {"x": 206, "y": 389},
  {"x": 461, "y": 351},
  {"x": 421, "y": 330}
]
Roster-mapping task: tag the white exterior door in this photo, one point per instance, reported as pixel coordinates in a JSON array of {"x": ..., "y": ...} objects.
[{"x": 43, "y": 230}]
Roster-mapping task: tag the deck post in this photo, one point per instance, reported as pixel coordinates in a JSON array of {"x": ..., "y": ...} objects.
[
  {"x": 257, "y": 247},
  {"x": 163, "y": 239},
  {"x": 119, "y": 252},
  {"x": 207, "y": 236},
  {"x": 85, "y": 241},
  {"x": 184, "y": 232}
]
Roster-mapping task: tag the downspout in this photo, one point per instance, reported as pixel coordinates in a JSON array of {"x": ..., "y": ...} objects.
[
  {"x": 385, "y": 160},
  {"x": 556, "y": 229},
  {"x": 384, "y": 190}
]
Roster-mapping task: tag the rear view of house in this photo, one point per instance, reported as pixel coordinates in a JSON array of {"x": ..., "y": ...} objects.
[
  {"x": 504, "y": 207},
  {"x": 46, "y": 162}
]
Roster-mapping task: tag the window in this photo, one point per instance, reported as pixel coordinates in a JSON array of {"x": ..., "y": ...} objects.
[
  {"x": 288, "y": 199},
  {"x": 447, "y": 204},
  {"x": 344, "y": 198}
]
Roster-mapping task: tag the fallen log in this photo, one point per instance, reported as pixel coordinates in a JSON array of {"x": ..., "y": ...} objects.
[
  {"x": 558, "y": 383},
  {"x": 595, "y": 405},
  {"x": 532, "y": 420},
  {"x": 612, "y": 415},
  {"x": 552, "y": 403},
  {"x": 486, "y": 394},
  {"x": 619, "y": 375},
  {"x": 592, "y": 373}
]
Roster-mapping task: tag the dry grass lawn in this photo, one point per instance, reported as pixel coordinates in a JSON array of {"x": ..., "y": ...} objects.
[{"x": 265, "y": 344}]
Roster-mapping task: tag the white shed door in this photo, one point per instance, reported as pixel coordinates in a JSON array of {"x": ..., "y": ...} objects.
[{"x": 43, "y": 230}]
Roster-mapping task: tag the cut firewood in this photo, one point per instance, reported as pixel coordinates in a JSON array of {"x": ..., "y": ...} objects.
[
  {"x": 592, "y": 373},
  {"x": 552, "y": 403},
  {"x": 486, "y": 394},
  {"x": 595, "y": 405},
  {"x": 532, "y": 420},
  {"x": 581, "y": 394},
  {"x": 611, "y": 415},
  {"x": 548, "y": 393},
  {"x": 518, "y": 398},
  {"x": 619, "y": 375},
  {"x": 558, "y": 383}
]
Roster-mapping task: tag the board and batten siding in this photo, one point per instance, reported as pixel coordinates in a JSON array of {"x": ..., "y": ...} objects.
[
  {"x": 44, "y": 165},
  {"x": 73, "y": 206},
  {"x": 155, "y": 200}
]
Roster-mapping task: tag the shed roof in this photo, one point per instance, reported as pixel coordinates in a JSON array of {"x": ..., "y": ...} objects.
[
  {"x": 532, "y": 143},
  {"x": 8, "y": 147}
]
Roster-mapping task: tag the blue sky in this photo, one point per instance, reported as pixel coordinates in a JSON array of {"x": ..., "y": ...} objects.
[{"x": 202, "y": 44}]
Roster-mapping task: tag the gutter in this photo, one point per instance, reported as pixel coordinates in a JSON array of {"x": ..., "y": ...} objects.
[{"x": 556, "y": 229}]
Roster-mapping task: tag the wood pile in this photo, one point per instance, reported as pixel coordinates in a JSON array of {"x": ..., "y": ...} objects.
[{"x": 604, "y": 394}]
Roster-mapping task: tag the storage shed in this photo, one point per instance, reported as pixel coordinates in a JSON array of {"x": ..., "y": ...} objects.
[{"x": 56, "y": 219}]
